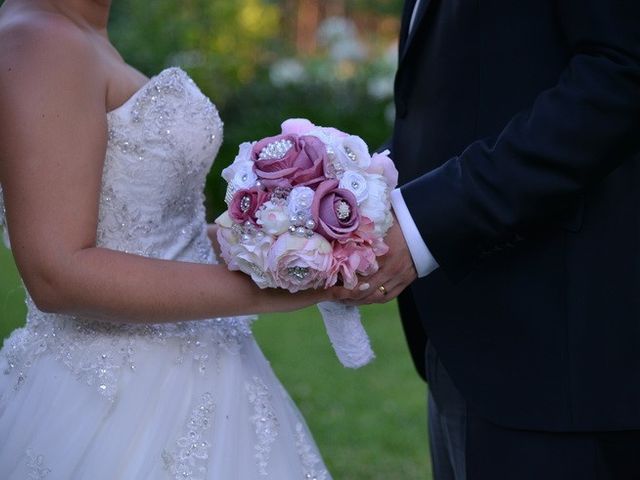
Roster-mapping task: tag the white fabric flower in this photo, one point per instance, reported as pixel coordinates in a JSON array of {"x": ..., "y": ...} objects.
[
  {"x": 300, "y": 200},
  {"x": 377, "y": 206},
  {"x": 241, "y": 176},
  {"x": 242, "y": 161},
  {"x": 250, "y": 256},
  {"x": 356, "y": 184},
  {"x": 273, "y": 218},
  {"x": 244, "y": 176},
  {"x": 357, "y": 152}
]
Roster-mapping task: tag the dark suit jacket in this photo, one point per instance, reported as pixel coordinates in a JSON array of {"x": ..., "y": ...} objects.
[{"x": 517, "y": 139}]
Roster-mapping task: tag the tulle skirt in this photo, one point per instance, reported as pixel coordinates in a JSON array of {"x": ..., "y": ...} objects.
[{"x": 227, "y": 419}]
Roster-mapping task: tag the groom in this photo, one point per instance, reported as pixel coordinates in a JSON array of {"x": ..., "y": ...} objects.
[{"x": 517, "y": 138}]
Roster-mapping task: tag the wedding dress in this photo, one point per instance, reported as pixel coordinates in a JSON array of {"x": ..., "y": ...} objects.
[{"x": 89, "y": 400}]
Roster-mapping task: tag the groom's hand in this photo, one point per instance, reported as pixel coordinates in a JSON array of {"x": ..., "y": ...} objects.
[{"x": 396, "y": 272}]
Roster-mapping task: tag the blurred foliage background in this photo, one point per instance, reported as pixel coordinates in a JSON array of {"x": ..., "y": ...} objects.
[{"x": 262, "y": 61}]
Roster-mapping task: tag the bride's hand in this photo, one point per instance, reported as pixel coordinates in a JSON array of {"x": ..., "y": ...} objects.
[{"x": 346, "y": 296}]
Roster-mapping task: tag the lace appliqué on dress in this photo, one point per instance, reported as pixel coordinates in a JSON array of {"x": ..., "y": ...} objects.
[
  {"x": 264, "y": 420},
  {"x": 188, "y": 461},
  {"x": 311, "y": 462},
  {"x": 98, "y": 352},
  {"x": 36, "y": 467}
]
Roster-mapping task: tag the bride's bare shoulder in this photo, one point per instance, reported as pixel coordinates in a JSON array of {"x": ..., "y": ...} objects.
[{"x": 41, "y": 43}]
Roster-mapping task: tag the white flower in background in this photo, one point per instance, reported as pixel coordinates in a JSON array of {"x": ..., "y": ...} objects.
[
  {"x": 300, "y": 200},
  {"x": 287, "y": 71},
  {"x": 390, "y": 58},
  {"x": 381, "y": 87},
  {"x": 340, "y": 36},
  {"x": 335, "y": 29},
  {"x": 356, "y": 184},
  {"x": 348, "y": 50},
  {"x": 390, "y": 113},
  {"x": 381, "y": 84},
  {"x": 377, "y": 206},
  {"x": 273, "y": 218}
]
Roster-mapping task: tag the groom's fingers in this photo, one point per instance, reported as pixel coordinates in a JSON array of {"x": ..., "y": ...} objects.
[
  {"x": 375, "y": 294},
  {"x": 375, "y": 298}
]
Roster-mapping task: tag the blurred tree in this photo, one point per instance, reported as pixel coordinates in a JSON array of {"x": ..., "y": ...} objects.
[
  {"x": 220, "y": 42},
  {"x": 301, "y": 18},
  {"x": 223, "y": 43}
]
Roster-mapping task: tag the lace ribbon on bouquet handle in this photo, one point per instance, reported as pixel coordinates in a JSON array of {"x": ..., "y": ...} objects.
[{"x": 348, "y": 337}]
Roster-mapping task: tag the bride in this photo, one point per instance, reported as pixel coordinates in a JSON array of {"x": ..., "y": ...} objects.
[{"x": 137, "y": 360}]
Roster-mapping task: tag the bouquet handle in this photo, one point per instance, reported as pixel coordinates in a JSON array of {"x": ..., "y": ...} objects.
[{"x": 346, "y": 333}]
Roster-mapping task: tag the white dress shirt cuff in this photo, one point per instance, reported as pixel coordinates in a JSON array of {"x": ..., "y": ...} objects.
[{"x": 422, "y": 258}]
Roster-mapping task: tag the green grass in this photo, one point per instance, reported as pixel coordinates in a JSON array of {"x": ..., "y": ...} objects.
[
  {"x": 12, "y": 309},
  {"x": 370, "y": 424}
]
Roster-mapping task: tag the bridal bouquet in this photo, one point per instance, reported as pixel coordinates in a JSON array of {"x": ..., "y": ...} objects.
[{"x": 309, "y": 208}]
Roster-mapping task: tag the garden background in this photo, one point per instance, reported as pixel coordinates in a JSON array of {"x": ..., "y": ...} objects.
[{"x": 260, "y": 62}]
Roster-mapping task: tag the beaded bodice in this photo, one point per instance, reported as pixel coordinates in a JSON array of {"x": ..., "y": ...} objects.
[{"x": 161, "y": 145}]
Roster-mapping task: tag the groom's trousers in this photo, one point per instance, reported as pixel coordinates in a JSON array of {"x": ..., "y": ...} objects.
[{"x": 466, "y": 447}]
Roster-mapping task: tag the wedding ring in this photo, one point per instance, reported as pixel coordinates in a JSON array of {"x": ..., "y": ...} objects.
[{"x": 383, "y": 290}]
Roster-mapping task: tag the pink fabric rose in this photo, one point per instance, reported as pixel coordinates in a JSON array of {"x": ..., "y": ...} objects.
[
  {"x": 366, "y": 235},
  {"x": 302, "y": 126},
  {"x": 289, "y": 160},
  {"x": 383, "y": 165},
  {"x": 245, "y": 204},
  {"x": 350, "y": 260},
  {"x": 298, "y": 262},
  {"x": 297, "y": 126},
  {"x": 335, "y": 211}
]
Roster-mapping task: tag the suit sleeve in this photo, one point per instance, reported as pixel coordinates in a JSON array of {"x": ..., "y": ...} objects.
[{"x": 573, "y": 135}]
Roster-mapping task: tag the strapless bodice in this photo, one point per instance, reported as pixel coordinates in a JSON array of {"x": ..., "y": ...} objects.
[{"x": 161, "y": 144}]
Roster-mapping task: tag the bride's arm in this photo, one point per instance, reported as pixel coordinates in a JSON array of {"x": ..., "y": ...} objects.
[{"x": 53, "y": 137}]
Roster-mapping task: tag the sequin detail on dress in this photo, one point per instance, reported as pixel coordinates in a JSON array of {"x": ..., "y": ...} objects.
[
  {"x": 264, "y": 421},
  {"x": 161, "y": 145},
  {"x": 37, "y": 470},
  {"x": 311, "y": 461},
  {"x": 189, "y": 459}
]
